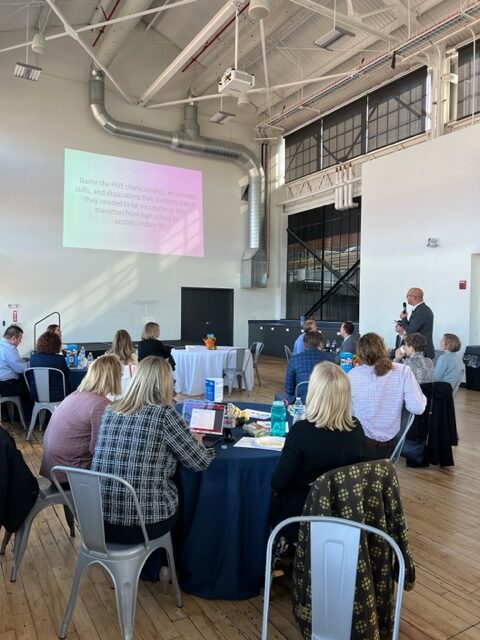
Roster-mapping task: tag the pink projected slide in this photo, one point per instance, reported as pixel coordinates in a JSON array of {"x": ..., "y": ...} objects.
[{"x": 127, "y": 205}]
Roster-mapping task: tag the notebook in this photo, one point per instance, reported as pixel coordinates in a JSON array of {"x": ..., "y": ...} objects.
[{"x": 204, "y": 417}]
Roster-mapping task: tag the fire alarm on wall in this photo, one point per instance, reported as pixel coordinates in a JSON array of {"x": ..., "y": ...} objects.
[{"x": 462, "y": 284}]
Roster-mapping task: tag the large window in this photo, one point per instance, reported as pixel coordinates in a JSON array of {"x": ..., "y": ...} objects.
[
  {"x": 390, "y": 114},
  {"x": 466, "y": 83},
  {"x": 397, "y": 111},
  {"x": 344, "y": 134},
  {"x": 323, "y": 264},
  {"x": 302, "y": 153}
]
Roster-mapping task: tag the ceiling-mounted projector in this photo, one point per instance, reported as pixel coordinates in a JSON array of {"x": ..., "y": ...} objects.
[{"x": 235, "y": 82}]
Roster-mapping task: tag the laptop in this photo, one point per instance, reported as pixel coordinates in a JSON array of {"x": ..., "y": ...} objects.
[{"x": 204, "y": 417}]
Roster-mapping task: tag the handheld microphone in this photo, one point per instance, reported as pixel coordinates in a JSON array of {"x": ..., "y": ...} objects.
[{"x": 405, "y": 307}]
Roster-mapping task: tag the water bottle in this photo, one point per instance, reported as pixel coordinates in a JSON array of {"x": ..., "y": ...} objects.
[
  {"x": 82, "y": 358},
  {"x": 334, "y": 346},
  {"x": 346, "y": 361},
  {"x": 89, "y": 358},
  {"x": 327, "y": 346},
  {"x": 298, "y": 410},
  {"x": 277, "y": 418},
  {"x": 75, "y": 358}
]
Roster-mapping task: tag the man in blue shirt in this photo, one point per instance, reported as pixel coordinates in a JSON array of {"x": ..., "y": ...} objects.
[
  {"x": 302, "y": 364},
  {"x": 308, "y": 325},
  {"x": 12, "y": 367}
]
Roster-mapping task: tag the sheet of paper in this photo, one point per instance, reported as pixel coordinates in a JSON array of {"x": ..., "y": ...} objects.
[
  {"x": 259, "y": 415},
  {"x": 246, "y": 443},
  {"x": 253, "y": 443}
]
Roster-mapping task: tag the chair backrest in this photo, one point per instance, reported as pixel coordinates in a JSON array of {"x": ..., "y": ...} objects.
[
  {"x": 256, "y": 349},
  {"x": 86, "y": 488},
  {"x": 288, "y": 352},
  {"x": 334, "y": 549},
  {"x": 39, "y": 379},
  {"x": 237, "y": 359},
  {"x": 407, "y": 421},
  {"x": 301, "y": 390}
]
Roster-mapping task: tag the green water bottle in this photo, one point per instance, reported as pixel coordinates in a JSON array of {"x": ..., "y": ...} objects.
[{"x": 277, "y": 418}]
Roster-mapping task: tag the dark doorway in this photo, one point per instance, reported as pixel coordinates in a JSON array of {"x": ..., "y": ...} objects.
[{"x": 207, "y": 311}]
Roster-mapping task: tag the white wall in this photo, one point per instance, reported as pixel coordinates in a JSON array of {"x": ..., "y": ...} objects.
[
  {"x": 430, "y": 190},
  {"x": 97, "y": 292}
]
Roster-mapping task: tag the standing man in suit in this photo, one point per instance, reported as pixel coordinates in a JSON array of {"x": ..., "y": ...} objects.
[
  {"x": 349, "y": 344},
  {"x": 421, "y": 319}
]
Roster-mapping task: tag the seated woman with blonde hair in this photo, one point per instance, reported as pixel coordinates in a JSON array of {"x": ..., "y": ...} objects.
[
  {"x": 122, "y": 346},
  {"x": 328, "y": 438},
  {"x": 142, "y": 439},
  {"x": 150, "y": 345},
  {"x": 73, "y": 428}
]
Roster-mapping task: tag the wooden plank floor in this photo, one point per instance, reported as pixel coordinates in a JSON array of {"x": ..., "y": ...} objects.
[{"x": 443, "y": 511}]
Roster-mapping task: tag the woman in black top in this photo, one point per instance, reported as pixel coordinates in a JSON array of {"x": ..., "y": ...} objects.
[
  {"x": 329, "y": 438},
  {"x": 150, "y": 345}
]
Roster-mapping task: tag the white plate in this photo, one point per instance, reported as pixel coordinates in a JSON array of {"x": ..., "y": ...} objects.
[{"x": 272, "y": 442}]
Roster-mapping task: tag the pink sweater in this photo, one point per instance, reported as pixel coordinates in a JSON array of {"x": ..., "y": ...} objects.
[{"x": 72, "y": 432}]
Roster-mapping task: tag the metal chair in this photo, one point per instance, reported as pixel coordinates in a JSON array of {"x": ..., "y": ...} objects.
[
  {"x": 298, "y": 393},
  {"x": 288, "y": 353},
  {"x": 40, "y": 392},
  {"x": 334, "y": 548},
  {"x": 15, "y": 400},
  {"x": 256, "y": 349},
  {"x": 47, "y": 496},
  {"x": 123, "y": 562},
  {"x": 407, "y": 421},
  {"x": 236, "y": 364}
]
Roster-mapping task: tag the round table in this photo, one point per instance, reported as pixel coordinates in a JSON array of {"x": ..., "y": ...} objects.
[
  {"x": 223, "y": 526},
  {"x": 224, "y": 523},
  {"x": 195, "y": 363}
]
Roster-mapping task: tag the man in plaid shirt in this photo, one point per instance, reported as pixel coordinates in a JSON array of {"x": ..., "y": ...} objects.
[{"x": 302, "y": 364}]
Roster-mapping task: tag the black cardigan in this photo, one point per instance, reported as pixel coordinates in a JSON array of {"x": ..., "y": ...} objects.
[
  {"x": 309, "y": 451},
  {"x": 152, "y": 347},
  {"x": 18, "y": 486}
]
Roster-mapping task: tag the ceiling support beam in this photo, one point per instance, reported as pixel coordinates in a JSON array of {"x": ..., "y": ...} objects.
[
  {"x": 340, "y": 18},
  {"x": 74, "y": 35},
  {"x": 184, "y": 56}
]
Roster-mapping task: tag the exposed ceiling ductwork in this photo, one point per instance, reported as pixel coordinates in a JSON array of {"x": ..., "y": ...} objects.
[{"x": 254, "y": 268}]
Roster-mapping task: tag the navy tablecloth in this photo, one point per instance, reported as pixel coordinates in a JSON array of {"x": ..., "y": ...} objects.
[
  {"x": 223, "y": 526},
  {"x": 76, "y": 376},
  {"x": 221, "y": 535}
]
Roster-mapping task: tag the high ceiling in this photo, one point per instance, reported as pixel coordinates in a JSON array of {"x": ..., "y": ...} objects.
[{"x": 189, "y": 44}]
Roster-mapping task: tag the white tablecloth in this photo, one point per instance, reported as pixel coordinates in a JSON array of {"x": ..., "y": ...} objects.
[{"x": 194, "y": 364}]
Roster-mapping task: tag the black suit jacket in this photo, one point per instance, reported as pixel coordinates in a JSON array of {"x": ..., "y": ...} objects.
[{"x": 421, "y": 321}]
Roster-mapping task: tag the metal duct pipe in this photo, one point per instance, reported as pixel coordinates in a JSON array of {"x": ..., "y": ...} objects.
[{"x": 254, "y": 261}]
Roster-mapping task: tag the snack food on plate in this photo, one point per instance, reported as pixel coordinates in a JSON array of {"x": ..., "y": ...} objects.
[{"x": 256, "y": 430}]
